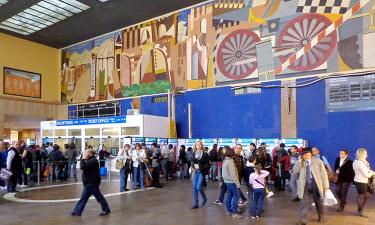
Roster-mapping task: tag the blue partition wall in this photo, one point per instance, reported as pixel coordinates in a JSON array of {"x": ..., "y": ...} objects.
[
  {"x": 217, "y": 112},
  {"x": 336, "y": 130}
]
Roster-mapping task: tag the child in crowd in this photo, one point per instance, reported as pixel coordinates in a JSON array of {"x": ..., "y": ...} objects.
[{"x": 257, "y": 180}]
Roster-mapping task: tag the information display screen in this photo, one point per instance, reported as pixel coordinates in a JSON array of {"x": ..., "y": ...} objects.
[
  {"x": 103, "y": 109},
  {"x": 350, "y": 93}
]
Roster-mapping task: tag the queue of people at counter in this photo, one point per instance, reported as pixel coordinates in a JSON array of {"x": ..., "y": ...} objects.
[{"x": 308, "y": 173}]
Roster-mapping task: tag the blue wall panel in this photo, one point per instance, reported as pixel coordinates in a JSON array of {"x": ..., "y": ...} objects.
[
  {"x": 125, "y": 105},
  {"x": 217, "y": 112},
  {"x": 150, "y": 108},
  {"x": 333, "y": 131}
]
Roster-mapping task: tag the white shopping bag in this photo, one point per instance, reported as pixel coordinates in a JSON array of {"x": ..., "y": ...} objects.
[{"x": 329, "y": 198}]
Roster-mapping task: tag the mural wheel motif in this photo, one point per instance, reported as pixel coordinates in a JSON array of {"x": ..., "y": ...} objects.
[
  {"x": 298, "y": 33},
  {"x": 234, "y": 50}
]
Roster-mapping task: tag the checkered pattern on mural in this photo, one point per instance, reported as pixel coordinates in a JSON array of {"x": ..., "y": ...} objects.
[{"x": 323, "y": 6}]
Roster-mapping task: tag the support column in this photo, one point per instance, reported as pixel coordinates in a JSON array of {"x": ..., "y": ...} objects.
[
  {"x": 1, "y": 126},
  {"x": 288, "y": 111}
]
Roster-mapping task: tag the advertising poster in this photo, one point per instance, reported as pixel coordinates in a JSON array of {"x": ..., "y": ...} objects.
[
  {"x": 190, "y": 142},
  {"x": 209, "y": 143},
  {"x": 162, "y": 141},
  {"x": 149, "y": 141},
  {"x": 231, "y": 142},
  {"x": 245, "y": 142},
  {"x": 136, "y": 140},
  {"x": 271, "y": 143},
  {"x": 293, "y": 141}
]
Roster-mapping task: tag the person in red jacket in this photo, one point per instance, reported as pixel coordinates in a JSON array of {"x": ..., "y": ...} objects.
[{"x": 281, "y": 165}]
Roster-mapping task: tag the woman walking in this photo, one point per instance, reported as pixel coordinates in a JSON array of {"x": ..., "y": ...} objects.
[
  {"x": 258, "y": 181},
  {"x": 231, "y": 180},
  {"x": 124, "y": 159},
  {"x": 200, "y": 168},
  {"x": 362, "y": 174}
]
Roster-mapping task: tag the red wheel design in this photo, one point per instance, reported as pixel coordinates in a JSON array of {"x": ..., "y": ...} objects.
[
  {"x": 299, "y": 32},
  {"x": 237, "y": 46}
]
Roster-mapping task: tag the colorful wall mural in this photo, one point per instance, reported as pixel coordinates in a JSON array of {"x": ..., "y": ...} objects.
[{"x": 222, "y": 42}]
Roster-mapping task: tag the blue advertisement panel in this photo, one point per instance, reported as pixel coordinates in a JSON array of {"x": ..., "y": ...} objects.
[
  {"x": 245, "y": 142},
  {"x": 139, "y": 140},
  {"x": 162, "y": 141},
  {"x": 299, "y": 142},
  {"x": 150, "y": 141},
  {"x": 209, "y": 143},
  {"x": 190, "y": 142},
  {"x": 271, "y": 143},
  {"x": 231, "y": 142},
  {"x": 172, "y": 141},
  {"x": 92, "y": 121}
]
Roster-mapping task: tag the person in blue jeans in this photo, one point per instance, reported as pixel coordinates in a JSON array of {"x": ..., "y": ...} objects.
[
  {"x": 139, "y": 158},
  {"x": 201, "y": 165},
  {"x": 214, "y": 159},
  {"x": 230, "y": 177},
  {"x": 223, "y": 186},
  {"x": 91, "y": 182},
  {"x": 125, "y": 158},
  {"x": 257, "y": 180}
]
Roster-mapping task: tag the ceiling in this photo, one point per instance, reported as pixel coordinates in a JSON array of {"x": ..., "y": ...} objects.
[{"x": 100, "y": 18}]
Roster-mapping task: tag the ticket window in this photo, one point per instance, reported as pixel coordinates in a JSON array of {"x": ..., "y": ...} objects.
[
  {"x": 94, "y": 142},
  {"x": 112, "y": 144},
  {"x": 61, "y": 142},
  {"x": 78, "y": 144}
]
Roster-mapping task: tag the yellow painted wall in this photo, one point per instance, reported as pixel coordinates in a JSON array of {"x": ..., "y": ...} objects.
[{"x": 30, "y": 56}]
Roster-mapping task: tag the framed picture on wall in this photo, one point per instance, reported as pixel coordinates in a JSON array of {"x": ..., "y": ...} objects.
[{"x": 21, "y": 83}]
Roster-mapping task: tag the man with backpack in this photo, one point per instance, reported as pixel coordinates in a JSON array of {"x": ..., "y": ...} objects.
[
  {"x": 316, "y": 154},
  {"x": 214, "y": 158}
]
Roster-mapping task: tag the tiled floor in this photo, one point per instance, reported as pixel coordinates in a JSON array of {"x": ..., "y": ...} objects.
[{"x": 167, "y": 206}]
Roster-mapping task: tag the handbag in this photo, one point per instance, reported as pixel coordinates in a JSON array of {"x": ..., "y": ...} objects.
[
  {"x": 5, "y": 174},
  {"x": 46, "y": 171},
  {"x": 329, "y": 198},
  {"x": 120, "y": 164},
  {"x": 371, "y": 185}
]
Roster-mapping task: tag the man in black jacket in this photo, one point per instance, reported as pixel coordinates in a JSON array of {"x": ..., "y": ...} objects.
[
  {"x": 214, "y": 158},
  {"x": 345, "y": 176},
  {"x": 91, "y": 181}
]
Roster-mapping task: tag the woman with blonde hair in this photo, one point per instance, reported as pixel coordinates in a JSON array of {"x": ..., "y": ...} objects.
[
  {"x": 200, "y": 169},
  {"x": 362, "y": 174}
]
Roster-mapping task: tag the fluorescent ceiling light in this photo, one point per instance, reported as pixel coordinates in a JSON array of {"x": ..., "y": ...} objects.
[
  {"x": 103, "y": 0},
  {"x": 2, "y": 2},
  {"x": 41, "y": 15}
]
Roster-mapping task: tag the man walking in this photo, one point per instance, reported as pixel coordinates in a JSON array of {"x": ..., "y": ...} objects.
[
  {"x": 91, "y": 181},
  {"x": 312, "y": 184}
]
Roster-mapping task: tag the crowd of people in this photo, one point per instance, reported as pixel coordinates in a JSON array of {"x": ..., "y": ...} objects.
[
  {"x": 308, "y": 173},
  {"x": 46, "y": 162},
  {"x": 303, "y": 171}
]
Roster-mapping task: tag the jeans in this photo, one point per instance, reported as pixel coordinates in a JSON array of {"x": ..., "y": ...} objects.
[
  {"x": 165, "y": 167},
  {"x": 124, "y": 173},
  {"x": 342, "y": 189},
  {"x": 72, "y": 168},
  {"x": 55, "y": 171},
  {"x": 257, "y": 205},
  {"x": 213, "y": 171},
  {"x": 87, "y": 192},
  {"x": 182, "y": 170},
  {"x": 250, "y": 196},
  {"x": 232, "y": 198},
  {"x": 198, "y": 187},
  {"x": 137, "y": 170},
  {"x": 223, "y": 190}
]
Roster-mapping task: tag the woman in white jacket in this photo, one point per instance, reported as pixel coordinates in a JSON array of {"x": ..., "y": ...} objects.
[
  {"x": 362, "y": 174},
  {"x": 124, "y": 157}
]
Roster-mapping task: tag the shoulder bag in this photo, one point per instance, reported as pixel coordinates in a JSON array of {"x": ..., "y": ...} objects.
[{"x": 5, "y": 174}]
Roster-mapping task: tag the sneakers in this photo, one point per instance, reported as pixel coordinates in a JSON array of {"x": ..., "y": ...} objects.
[
  {"x": 229, "y": 214},
  {"x": 242, "y": 203},
  {"x": 23, "y": 185},
  {"x": 217, "y": 202},
  {"x": 75, "y": 214},
  {"x": 236, "y": 216},
  {"x": 270, "y": 194},
  {"x": 104, "y": 213}
]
